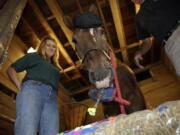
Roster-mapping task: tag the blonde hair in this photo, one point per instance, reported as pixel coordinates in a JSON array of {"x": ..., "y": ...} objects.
[{"x": 41, "y": 51}]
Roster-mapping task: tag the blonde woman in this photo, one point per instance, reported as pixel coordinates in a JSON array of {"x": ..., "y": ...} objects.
[{"x": 36, "y": 103}]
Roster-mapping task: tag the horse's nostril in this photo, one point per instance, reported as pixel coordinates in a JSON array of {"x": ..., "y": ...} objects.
[
  {"x": 91, "y": 77},
  {"x": 99, "y": 75}
]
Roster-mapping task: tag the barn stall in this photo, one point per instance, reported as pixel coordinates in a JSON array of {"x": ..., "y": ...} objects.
[{"x": 25, "y": 22}]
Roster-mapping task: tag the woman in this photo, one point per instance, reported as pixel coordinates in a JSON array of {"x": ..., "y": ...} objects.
[{"x": 36, "y": 103}]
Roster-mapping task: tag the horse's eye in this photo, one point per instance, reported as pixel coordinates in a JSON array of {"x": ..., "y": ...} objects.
[{"x": 74, "y": 40}]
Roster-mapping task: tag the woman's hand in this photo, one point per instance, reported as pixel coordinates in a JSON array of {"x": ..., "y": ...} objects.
[
  {"x": 137, "y": 58},
  {"x": 144, "y": 48},
  {"x": 14, "y": 77}
]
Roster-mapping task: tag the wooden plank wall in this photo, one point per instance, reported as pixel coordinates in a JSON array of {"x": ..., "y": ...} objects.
[{"x": 15, "y": 51}]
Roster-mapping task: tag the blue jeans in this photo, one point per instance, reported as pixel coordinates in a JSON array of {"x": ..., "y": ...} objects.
[{"x": 36, "y": 110}]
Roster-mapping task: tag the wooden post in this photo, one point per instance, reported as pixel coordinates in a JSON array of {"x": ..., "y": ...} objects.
[
  {"x": 116, "y": 13},
  {"x": 10, "y": 14}
]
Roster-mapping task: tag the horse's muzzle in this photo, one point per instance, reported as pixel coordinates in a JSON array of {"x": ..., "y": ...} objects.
[{"x": 102, "y": 78}]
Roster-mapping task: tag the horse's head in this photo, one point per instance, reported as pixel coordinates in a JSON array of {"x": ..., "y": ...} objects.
[{"x": 92, "y": 48}]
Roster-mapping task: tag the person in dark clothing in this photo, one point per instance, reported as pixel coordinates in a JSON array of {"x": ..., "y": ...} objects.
[
  {"x": 36, "y": 103},
  {"x": 160, "y": 19}
]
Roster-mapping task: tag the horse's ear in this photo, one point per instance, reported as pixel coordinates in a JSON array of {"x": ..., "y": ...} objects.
[
  {"x": 93, "y": 9},
  {"x": 68, "y": 22}
]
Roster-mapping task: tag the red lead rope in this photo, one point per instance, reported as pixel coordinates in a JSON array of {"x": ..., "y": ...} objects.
[{"x": 117, "y": 90}]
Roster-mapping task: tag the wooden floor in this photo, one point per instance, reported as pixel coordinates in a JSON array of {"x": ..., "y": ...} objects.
[{"x": 161, "y": 88}]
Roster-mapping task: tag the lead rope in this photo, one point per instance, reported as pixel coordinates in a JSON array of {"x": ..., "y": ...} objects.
[{"x": 117, "y": 90}]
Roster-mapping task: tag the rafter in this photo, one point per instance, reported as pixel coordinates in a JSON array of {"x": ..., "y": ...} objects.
[
  {"x": 82, "y": 90},
  {"x": 104, "y": 22},
  {"x": 58, "y": 14},
  {"x": 136, "y": 44},
  {"x": 79, "y": 6},
  {"x": 37, "y": 40},
  {"x": 116, "y": 13},
  {"x": 50, "y": 31},
  {"x": 9, "y": 18}
]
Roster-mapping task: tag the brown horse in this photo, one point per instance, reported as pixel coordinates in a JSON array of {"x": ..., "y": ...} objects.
[{"x": 94, "y": 51}]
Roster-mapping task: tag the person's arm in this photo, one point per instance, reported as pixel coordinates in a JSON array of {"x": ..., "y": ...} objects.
[
  {"x": 14, "y": 77},
  {"x": 145, "y": 47}
]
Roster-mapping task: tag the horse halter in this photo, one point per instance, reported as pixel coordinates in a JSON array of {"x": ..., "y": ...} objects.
[
  {"x": 91, "y": 31},
  {"x": 95, "y": 49}
]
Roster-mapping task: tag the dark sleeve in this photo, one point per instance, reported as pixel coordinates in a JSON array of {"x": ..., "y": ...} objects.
[
  {"x": 142, "y": 32},
  {"x": 22, "y": 63}
]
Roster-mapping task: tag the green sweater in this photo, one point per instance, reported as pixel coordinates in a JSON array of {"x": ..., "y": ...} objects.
[{"x": 38, "y": 69}]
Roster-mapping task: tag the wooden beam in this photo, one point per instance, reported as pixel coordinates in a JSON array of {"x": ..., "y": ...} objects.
[
  {"x": 136, "y": 44},
  {"x": 9, "y": 18},
  {"x": 58, "y": 14},
  {"x": 74, "y": 77},
  {"x": 37, "y": 40},
  {"x": 82, "y": 90},
  {"x": 16, "y": 50},
  {"x": 45, "y": 24},
  {"x": 104, "y": 22},
  {"x": 116, "y": 13},
  {"x": 79, "y": 6},
  {"x": 7, "y": 107}
]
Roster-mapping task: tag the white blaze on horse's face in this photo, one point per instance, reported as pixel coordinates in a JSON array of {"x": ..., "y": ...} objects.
[{"x": 91, "y": 31}]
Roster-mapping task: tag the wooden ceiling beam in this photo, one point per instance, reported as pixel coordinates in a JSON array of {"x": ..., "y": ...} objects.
[
  {"x": 50, "y": 31},
  {"x": 74, "y": 77},
  {"x": 82, "y": 90},
  {"x": 9, "y": 18},
  {"x": 104, "y": 22},
  {"x": 79, "y": 6},
  {"x": 36, "y": 39},
  {"x": 136, "y": 44},
  {"x": 58, "y": 14},
  {"x": 116, "y": 13}
]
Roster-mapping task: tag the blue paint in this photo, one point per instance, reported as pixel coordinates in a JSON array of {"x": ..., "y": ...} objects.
[{"x": 106, "y": 94}]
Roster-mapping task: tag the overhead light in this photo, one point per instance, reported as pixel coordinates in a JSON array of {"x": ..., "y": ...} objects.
[{"x": 31, "y": 50}]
